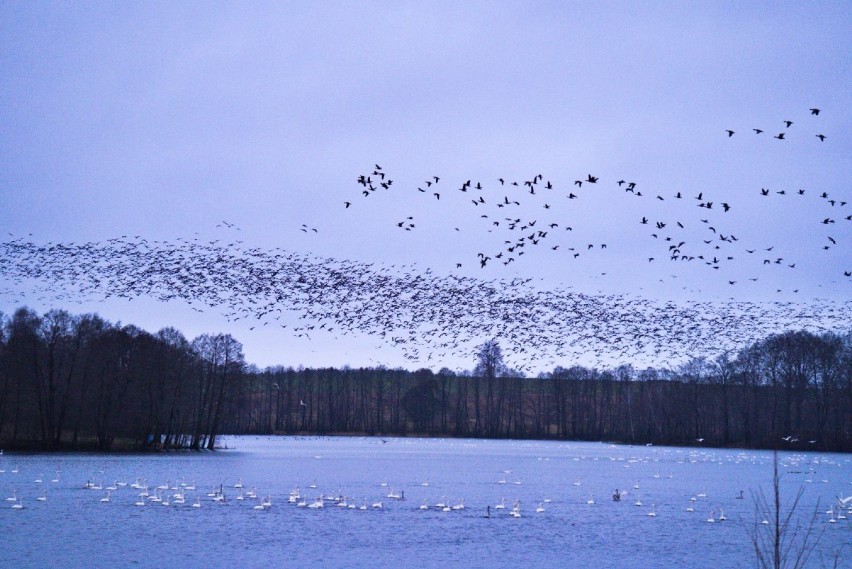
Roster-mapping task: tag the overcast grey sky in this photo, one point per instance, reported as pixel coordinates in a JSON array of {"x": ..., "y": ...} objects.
[{"x": 165, "y": 119}]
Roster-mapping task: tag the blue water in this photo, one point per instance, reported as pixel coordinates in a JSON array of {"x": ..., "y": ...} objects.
[{"x": 73, "y": 528}]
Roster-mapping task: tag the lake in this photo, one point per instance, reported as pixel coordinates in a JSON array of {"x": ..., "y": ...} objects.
[{"x": 683, "y": 487}]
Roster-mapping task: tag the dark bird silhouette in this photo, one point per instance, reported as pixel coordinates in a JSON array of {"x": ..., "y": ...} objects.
[
  {"x": 757, "y": 130},
  {"x": 814, "y": 111},
  {"x": 347, "y": 204},
  {"x": 730, "y": 133},
  {"x": 779, "y": 136},
  {"x": 788, "y": 123},
  {"x": 821, "y": 137}
]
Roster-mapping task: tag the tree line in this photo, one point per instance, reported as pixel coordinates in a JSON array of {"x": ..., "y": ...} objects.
[
  {"x": 792, "y": 389},
  {"x": 81, "y": 382}
]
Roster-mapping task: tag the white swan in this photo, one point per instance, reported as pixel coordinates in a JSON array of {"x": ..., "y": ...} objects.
[
  {"x": 540, "y": 509},
  {"x": 19, "y": 505}
]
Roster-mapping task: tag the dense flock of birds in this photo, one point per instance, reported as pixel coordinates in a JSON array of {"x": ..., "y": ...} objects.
[
  {"x": 428, "y": 316},
  {"x": 431, "y": 316}
]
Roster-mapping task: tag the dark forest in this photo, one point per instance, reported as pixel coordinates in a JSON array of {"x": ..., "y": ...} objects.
[{"x": 79, "y": 382}]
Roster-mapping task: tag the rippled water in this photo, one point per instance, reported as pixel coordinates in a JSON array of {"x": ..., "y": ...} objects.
[{"x": 73, "y": 528}]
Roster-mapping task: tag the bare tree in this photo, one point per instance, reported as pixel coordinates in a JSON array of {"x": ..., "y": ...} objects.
[{"x": 780, "y": 539}]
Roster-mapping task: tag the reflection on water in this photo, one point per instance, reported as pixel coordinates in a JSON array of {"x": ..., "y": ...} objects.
[{"x": 435, "y": 496}]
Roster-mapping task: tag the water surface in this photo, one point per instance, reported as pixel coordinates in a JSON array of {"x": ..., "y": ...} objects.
[{"x": 74, "y": 528}]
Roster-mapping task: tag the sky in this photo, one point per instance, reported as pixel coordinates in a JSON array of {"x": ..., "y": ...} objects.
[{"x": 253, "y": 122}]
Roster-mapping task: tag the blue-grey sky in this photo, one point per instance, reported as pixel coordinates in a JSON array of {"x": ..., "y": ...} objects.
[{"x": 165, "y": 119}]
